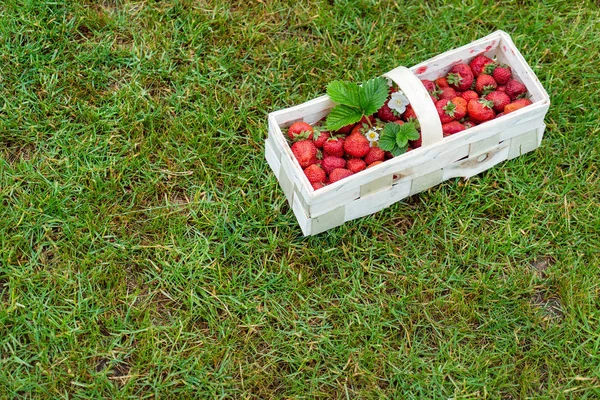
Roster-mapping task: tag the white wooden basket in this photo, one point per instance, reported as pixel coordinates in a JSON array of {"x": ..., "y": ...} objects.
[{"x": 464, "y": 154}]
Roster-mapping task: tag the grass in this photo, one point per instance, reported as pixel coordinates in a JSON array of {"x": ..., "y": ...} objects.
[{"x": 146, "y": 250}]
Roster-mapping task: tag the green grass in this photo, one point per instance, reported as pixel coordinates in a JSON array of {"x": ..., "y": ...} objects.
[{"x": 146, "y": 250}]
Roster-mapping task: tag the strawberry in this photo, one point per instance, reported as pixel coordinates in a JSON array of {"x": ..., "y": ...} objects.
[
  {"x": 388, "y": 155},
  {"x": 517, "y": 105},
  {"x": 448, "y": 93},
  {"x": 500, "y": 114},
  {"x": 515, "y": 89},
  {"x": 429, "y": 85},
  {"x": 338, "y": 174},
  {"x": 442, "y": 82},
  {"x": 502, "y": 74},
  {"x": 500, "y": 100},
  {"x": 386, "y": 114},
  {"x": 400, "y": 122},
  {"x": 319, "y": 138},
  {"x": 374, "y": 164},
  {"x": 501, "y": 88},
  {"x": 449, "y": 110},
  {"x": 315, "y": 174},
  {"x": 415, "y": 144},
  {"x": 460, "y": 107},
  {"x": 305, "y": 152},
  {"x": 452, "y": 127},
  {"x": 460, "y": 77},
  {"x": 409, "y": 113},
  {"x": 481, "y": 110},
  {"x": 375, "y": 154},
  {"x": 479, "y": 63},
  {"x": 318, "y": 185},
  {"x": 485, "y": 83},
  {"x": 345, "y": 129},
  {"x": 297, "y": 128},
  {"x": 356, "y": 164},
  {"x": 334, "y": 147},
  {"x": 469, "y": 95},
  {"x": 330, "y": 163},
  {"x": 469, "y": 124},
  {"x": 356, "y": 145}
]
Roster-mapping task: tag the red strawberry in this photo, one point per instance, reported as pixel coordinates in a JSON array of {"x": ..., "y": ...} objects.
[
  {"x": 315, "y": 174},
  {"x": 500, "y": 100},
  {"x": 500, "y": 114},
  {"x": 374, "y": 164},
  {"x": 375, "y": 154},
  {"x": 345, "y": 129},
  {"x": 501, "y": 88},
  {"x": 485, "y": 83},
  {"x": 517, "y": 105},
  {"x": 469, "y": 95},
  {"x": 386, "y": 114},
  {"x": 502, "y": 74},
  {"x": 448, "y": 93},
  {"x": 445, "y": 109},
  {"x": 318, "y": 185},
  {"x": 356, "y": 164},
  {"x": 399, "y": 122},
  {"x": 319, "y": 139},
  {"x": 297, "y": 128},
  {"x": 478, "y": 64},
  {"x": 338, "y": 174},
  {"x": 515, "y": 89},
  {"x": 429, "y": 85},
  {"x": 356, "y": 145},
  {"x": 460, "y": 77},
  {"x": 481, "y": 110},
  {"x": 415, "y": 144},
  {"x": 334, "y": 147},
  {"x": 388, "y": 155},
  {"x": 442, "y": 82},
  {"x": 460, "y": 109},
  {"x": 409, "y": 113},
  {"x": 452, "y": 127},
  {"x": 330, "y": 163},
  {"x": 305, "y": 152},
  {"x": 469, "y": 124}
]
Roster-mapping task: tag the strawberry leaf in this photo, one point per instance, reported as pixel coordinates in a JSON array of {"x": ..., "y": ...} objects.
[
  {"x": 401, "y": 140},
  {"x": 399, "y": 150},
  {"x": 372, "y": 95},
  {"x": 345, "y": 93},
  {"x": 387, "y": 138},
  {"x": 342, "y": 115}
]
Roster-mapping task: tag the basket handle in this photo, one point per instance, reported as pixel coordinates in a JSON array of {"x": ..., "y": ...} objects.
[{"x": 431, "y": 127}]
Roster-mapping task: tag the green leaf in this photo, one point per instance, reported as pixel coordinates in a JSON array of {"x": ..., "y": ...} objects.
[
  {"x": 345, "y": 93},
  {"x": 372, "y": 95},
  {"x": 341, "y": 116},
  {"x": 399, "y": 150},
  {"x": 409, "y": 130},
  {"x": 387, "y": 138},
  {"x": 401, "y": 140}
]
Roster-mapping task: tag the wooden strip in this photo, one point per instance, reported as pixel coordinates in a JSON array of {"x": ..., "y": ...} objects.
[
  {"x": 289, "y": 115},
  {"x": 301, "y": 216},
  {"x": 286, "y": 185},
  {"x": 376, "y": 185},
  {"x": 522, "y": 144},
  {"x": 432, "y": 164},
  {"x": 341, "y": 198},
  {"x": 272, "y": 159},
  {"x": 328, "y": 220},
  {"x": 426, "y": 181},
  {"x": 377, "y": 201},
  {"x": 484, "y": 145},
  {"x": 477, "y": 164}
]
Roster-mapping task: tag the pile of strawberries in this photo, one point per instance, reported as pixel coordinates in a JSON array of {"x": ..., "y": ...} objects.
[
  {"x": 470, "y": 94},
  {"x": 473, "y": 93}
]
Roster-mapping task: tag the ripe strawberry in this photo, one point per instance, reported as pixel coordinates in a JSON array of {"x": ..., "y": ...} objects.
[
  {"x": 330, "y": 163},
  {"x": 315, "y": 174},
  {"x": 356, "y": 164},
  {"x": 478, "y": 64},
  {"x": 481, "y": 110},
  {"x": 452, "y": 127},
  {"x": 375, "y": 154},
  {"x": 388, "y": 155},
  {"x": 305, "y": 152},
  {"x": 334, "y": 147},
  {"x": 415, "y": 144},
  {"x": 460, "y": 77},
  {"x": 517, "y": 105},
  {"x": 319, "y": 138},
  {"x": 469, "y": 95},
  {"x": 502, "y": 74},
  {"x": 429, "y": 85},
  {"x": 386, "y": 114},
  {"x": 345, "y": 129},
  {"x": 501, "y": 88},
  {"x": 500, "y": 100},
  {"x": 318, "y": 185},
  {"x": 485, "y": 83},
  {"x": 297, "y": 128},
  {"x": 469, "y": 124},
  {"x": 409, "y": 113},
  {"x": 356, "y": 145},
  {"x": 442, "y": 82},
  {"x": 449, "y": 110},
  {"x": 500, "y": 114},
  {"x": 460, "y": 107},
  {"x": 515, "y": 89},
  {"x": 338, "y": 174},
  {"x": 448, "y": 93}
]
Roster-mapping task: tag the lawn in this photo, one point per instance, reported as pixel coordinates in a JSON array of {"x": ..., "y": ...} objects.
[{"x": 147, "y": 250}]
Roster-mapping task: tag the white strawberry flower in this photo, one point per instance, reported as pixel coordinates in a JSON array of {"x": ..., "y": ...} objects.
[
  {"x": 398, "y": 102},
  {"x": 372, "y": 135}
]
